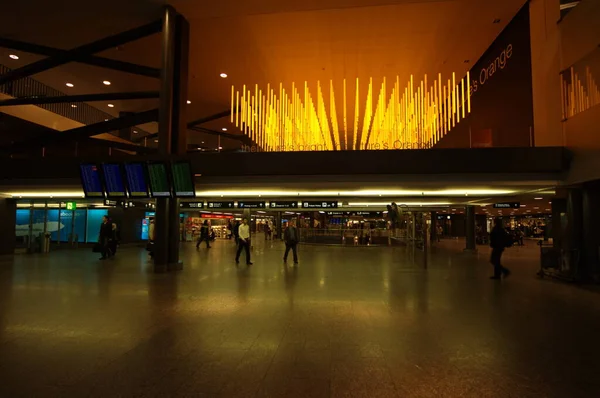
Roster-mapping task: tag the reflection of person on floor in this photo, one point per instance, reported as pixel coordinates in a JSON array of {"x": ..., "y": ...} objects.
[
  {"x": 291, "y": 241},
  {"x": 499, "y": 240},
  {"x": 244, "y": 242},
  {"x": 204, "y": 235}
]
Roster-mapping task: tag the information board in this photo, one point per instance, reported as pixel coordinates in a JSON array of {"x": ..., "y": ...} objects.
[
  {"x": 320, "y": 205},
  {"x": 183, "y": 180},
  {"x": 137, "y": 180},
  {"x": 220, "y": 205},
  {"x": 159, "y": 180},
  {"x": 192, "y": 205},
  {"x": 251, "y": 205},
  {"x": 113, "y": 179},
  {"x": 283, "y": 205},
  {"x": 507, "y": 205},
  {"x": 91, "y": 181}
]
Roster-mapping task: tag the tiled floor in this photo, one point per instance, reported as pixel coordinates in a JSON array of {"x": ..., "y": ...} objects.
[{"x": 348, "y": 322}]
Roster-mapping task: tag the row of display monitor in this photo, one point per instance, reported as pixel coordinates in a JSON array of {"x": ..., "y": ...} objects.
[{"x": 138, "y": 180}]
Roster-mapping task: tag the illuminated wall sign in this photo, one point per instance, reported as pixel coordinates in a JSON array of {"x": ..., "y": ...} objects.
[
  {"x": 283, "y": 205},
  {"x": 507, "y": 205},
  {"x": 216, "y": 216},
  {"x": 320, "y": 205},
  {"x": 355, "y": 213},
  {"x": 251, "y": 205},
  {"x": 220, "y": 205},
  {"x": 192, "y": 205}
]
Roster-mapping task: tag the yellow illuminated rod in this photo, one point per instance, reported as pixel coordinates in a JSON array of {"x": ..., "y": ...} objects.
[{"x": 416, "y": 116}]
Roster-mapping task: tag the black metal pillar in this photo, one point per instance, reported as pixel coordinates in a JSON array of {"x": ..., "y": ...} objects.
[
  {"x": 433, "y": 228},
  {"x": 470, "y": 228},
  {"x": 172, "y": 129},
  {"x": 278, "y": 227}
]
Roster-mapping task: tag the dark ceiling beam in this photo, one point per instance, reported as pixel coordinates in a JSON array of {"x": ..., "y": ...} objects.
[
  {"x": 102, "y": 62},
  {"x": 83, "y": 132},
  {"x": 81, "y": 52},
  {"x": 210, "y": 118},
  {"x": 120, "y": 145},
  {"x": 80, "y": 98}
]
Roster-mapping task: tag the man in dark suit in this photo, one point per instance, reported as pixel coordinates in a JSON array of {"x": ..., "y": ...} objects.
[
  {"x": 291, "y": 237},
  {"x": 499, "y": 240}
]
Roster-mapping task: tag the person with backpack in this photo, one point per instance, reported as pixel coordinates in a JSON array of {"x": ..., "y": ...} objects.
[{"x": 499, "y": 240}]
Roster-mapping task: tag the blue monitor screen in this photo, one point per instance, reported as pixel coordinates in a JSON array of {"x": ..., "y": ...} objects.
[
  {"x": 115, "y": 186},
  {"x": 137, "y": 181},
  {"x": 90, "y": 180}
]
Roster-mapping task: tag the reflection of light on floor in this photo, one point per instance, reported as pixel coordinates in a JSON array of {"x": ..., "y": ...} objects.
[{"x": 322, "y": 282}]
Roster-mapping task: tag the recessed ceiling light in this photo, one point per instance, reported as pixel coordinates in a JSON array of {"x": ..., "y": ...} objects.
[
  {"x": 224, "y": 129},
  {"x": 538, "y": 198},
  {"x": 70, "y": 84},
  {"x": 135, "y": 132},
  {"x": 111, "y": 106},
  {"x": 155, "y": 140},
  {"x": 13, "y": 56},
  {"x": 203, "y": 142},
  {"x": 73, "y": 106},
  {"x": 106, "y": 83},
  {"x": 223, "y": 75},
  {"x": 220, "y": 147},
  {"x": 189, "y": 102}
]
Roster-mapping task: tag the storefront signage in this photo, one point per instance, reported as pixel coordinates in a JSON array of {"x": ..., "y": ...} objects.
[
  {"x": 507, "y": 205},
  {"x": 320, "y": 205},
  {"x": 216, "y": 216},
  {"x": 283, "y": 205},
  {"x": 220, "y": 205},
  {"x": 192, "y": 205},
  {"x": 251, "y": 205}
]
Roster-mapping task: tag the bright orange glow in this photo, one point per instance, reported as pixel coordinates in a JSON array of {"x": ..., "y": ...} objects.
[{"x": 418, "y": 116}]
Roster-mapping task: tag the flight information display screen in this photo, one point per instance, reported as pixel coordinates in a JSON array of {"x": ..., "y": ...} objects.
[
  {"x": 91, "y": 181},
  {"x": 183, "y": 180},
  {"x": 137, "y": 180},
  {"x": 113, "y": 179},
  {"x": 159, "y": 180}
]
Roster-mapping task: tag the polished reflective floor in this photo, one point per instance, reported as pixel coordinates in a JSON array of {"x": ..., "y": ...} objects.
[{"x": 347, "y": 322}]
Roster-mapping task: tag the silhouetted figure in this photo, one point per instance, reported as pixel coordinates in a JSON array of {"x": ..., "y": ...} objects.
[
  {"x": 291, "y": 238},
  {"x": 204, "y": 235},
  {"x": 106, "y": 233},
  {"x": 499, "y": 240}
]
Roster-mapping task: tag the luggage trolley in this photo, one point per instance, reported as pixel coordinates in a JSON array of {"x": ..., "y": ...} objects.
[{"x": 558, "y": 263}]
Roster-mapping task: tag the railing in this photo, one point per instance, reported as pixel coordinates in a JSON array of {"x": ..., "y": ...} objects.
[
  {"x": 340, "y": 236},
  {"x": 78, "y": 111}
]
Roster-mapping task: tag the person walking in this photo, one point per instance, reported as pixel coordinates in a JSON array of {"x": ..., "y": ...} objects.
[
  {"x": 236, "y": 232},
  {"x": 204, "y": 235},
  {"x": 499, "y": 240},
  {"x": 291, "y": 238},
  {"x": 106, "y": 233},
  {"x": 150, "y": 245},
  {"x": 244, "y": 242}
]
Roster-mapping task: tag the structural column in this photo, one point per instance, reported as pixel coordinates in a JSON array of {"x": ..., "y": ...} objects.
[
  {"x": 590, "y": 258},
  {"x": 470, "y": 228},
  {"x": 172, "y": 131},
  {"x": 8, "y": 217},
  {"x": 433, "y": 228},
  {"x": 278, "y": 227}
]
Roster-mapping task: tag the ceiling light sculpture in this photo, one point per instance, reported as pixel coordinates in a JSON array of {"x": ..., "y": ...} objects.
[{"x": 416, "y": 116}]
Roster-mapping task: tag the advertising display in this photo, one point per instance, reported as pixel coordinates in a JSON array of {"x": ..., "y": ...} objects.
[
  {"x": 137, "y": 180},
  {"x": 159, "y": 180},
  {"x": 91, "y": 181},
  {"x": 113, "y": 178},
  {"x": 183, "y": 180}
]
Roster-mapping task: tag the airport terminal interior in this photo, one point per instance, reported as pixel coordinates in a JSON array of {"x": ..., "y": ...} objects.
[{"x": 333, "y": 198}]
